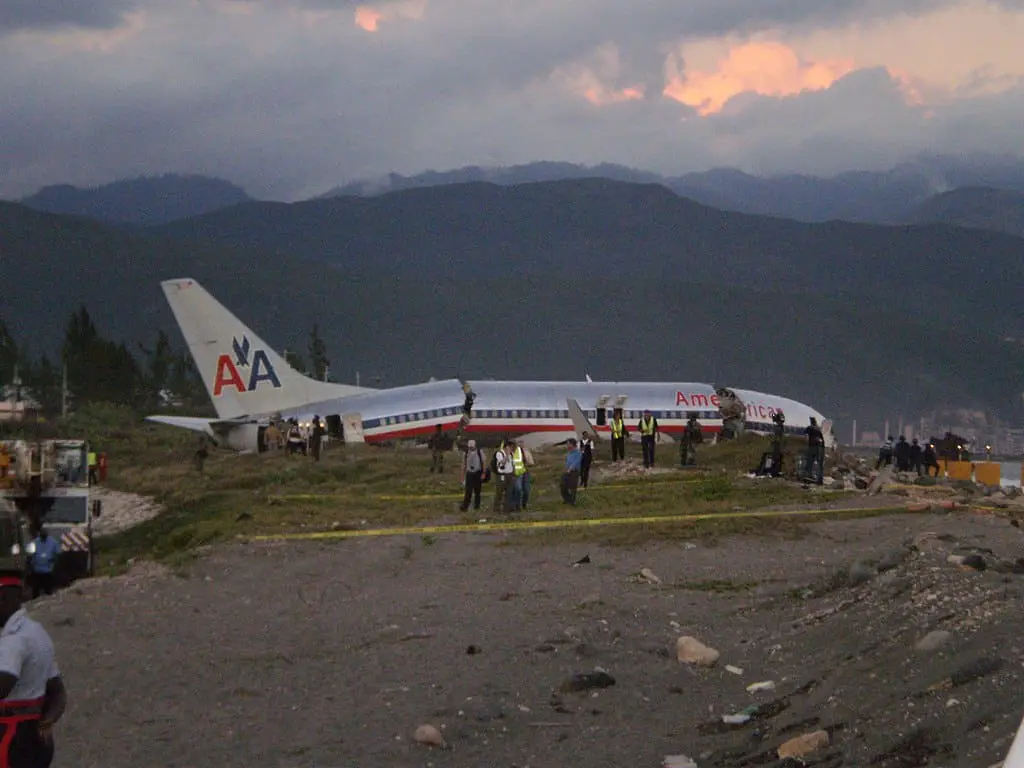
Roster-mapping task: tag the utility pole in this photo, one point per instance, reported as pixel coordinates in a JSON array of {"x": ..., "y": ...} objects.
[
  {"x": 327, "y": 370},
  {"x": 357, "y": 378},
  {"x": 64, "y": 393},
  {"x": 854, "y": 440}
]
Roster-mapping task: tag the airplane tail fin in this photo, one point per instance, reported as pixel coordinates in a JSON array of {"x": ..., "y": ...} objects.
[{"x": 241, "y": 373}]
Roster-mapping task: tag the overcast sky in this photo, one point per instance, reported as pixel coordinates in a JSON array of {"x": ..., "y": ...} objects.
[{"x": 291, "y": 97}]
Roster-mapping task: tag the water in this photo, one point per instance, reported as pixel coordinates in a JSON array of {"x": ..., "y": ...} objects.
[{"x": 1010, "y": 473}]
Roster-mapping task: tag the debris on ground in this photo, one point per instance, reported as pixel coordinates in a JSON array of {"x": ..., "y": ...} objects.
[
  {"x": 690, "y": 650},
  {"x": 121, "y": 511}
]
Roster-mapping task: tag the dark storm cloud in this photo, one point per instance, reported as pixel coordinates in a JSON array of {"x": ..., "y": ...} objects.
[
  {"x": 289, "y": 103},
  {"x": 17, "y": 15}
]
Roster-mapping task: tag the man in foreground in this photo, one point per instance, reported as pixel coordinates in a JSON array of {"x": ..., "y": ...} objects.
[{"x": 31, "y": 688}]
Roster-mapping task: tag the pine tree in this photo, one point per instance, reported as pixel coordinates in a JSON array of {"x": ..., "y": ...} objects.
[{"x": 318, "y": 354}]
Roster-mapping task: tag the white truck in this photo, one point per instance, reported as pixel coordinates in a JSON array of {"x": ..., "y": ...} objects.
[{"x": 48, "y": 483}]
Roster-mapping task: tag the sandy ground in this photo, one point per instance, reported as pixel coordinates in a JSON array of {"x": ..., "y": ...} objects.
[{"x": 331, "y": 654}]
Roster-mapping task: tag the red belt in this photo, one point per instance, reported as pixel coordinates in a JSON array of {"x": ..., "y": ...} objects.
[{"x": 14, "y": 712}]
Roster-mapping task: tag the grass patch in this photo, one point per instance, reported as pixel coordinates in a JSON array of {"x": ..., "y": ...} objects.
[{"x": 368, "y": 487}]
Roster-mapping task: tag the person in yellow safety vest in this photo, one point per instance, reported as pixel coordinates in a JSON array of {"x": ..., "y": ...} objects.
[
  {"x": 648, "y": 437},
  {"x": 521, "y": 461},
  {"x": 93, "y": 480},
  {"x": 619, "y": 435}
]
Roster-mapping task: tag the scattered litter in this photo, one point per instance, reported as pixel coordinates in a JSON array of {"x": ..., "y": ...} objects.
[
  {"x": 737, "y": 719},
  {"x": 734, "y": 670},
  {"x": 767, "y": 685},
  {"x": 677, "y": 761},
  {"x": 582, "y": 561}
]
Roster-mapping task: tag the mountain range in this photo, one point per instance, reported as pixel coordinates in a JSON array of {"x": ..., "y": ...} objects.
[
  {"x": 560, "y": 279},
  {"x": 970, "y": 193}
]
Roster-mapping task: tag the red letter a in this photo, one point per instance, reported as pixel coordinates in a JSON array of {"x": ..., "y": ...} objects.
[{"x": 227, "y": 375}]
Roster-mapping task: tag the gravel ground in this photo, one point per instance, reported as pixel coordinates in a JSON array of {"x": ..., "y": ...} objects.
[{"x": 331, "y": 654}]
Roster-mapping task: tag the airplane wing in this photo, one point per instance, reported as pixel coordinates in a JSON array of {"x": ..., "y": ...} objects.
[
  {"x": 580, "y": 420},
  {"x": 206, "y": 426}
]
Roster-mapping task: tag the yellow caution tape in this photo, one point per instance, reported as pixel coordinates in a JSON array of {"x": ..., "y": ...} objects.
[
  {"x": 510, "y": 525},
  {"x": 440, "y": 496}
]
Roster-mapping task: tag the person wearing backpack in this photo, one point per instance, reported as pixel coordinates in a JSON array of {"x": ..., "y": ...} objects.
[{"x": 473, "y": 466}]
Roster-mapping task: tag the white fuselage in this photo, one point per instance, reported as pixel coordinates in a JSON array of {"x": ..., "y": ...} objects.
[{"x": 541, "y": 407}]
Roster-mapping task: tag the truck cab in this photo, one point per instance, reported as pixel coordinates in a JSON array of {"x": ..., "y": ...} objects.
[{"x": 47, "y": 482}]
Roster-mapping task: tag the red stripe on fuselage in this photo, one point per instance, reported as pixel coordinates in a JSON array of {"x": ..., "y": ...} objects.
[{"x": 510, "y": 427}]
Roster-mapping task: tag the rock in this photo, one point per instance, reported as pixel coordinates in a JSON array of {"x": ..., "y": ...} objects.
[
  {"x": 429, "y": 736},
  {"x": 893, "y": 559},
  {"x": 648, "y": 576},
  {"x": 859, "y": 573},
  {"x": 986, "y": 665},
  {"x": 933, "y": 641},
  {"x": 804, "y": 745},
  {"x": 587, "y": 681},
  {"x": 690, "y": 650},
  {"x": 977, "y": 562}
]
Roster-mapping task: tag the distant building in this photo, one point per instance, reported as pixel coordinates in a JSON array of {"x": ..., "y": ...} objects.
[
  {"x": 872, "y": 439},
  {"x": 17, "y": 404}
]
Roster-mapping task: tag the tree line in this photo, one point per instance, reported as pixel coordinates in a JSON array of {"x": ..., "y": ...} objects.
[{"x": 100, "y": 370}]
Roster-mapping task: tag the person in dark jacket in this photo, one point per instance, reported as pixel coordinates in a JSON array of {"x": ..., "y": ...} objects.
[
  {"x": 885, "y": 454},
  {"x": 587, "y": 451},
  {"x": 902, "y": 452},
  {"x": 916, "y": 458},
  {"x": 814, "y": 468},
  {"x": 930, "y": 460}
]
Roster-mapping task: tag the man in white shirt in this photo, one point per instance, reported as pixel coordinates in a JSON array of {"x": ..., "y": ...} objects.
[{"x": 31, "y": 688}]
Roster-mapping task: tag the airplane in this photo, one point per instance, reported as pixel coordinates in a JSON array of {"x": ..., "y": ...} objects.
[{"x": 250, "y": 385}]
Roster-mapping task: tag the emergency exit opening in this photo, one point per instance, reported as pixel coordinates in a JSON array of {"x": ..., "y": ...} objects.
[
  {"x": 261, "y": 440},
  {"x": 334, "y": 426},
  {"x": 601, "y": 418}
]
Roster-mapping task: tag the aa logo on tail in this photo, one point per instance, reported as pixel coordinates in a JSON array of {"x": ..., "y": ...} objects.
[{"x": 228, "y": 369}]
